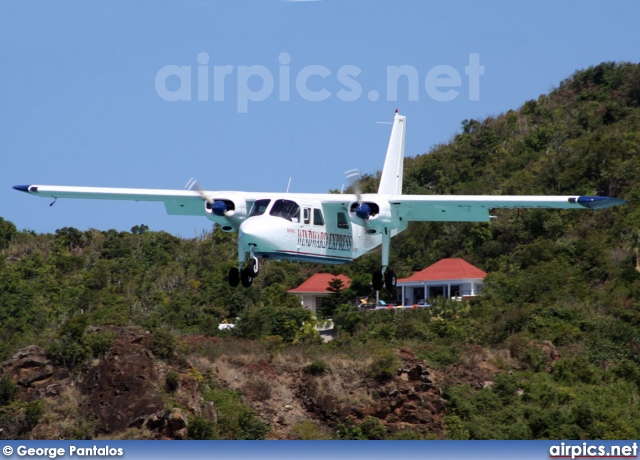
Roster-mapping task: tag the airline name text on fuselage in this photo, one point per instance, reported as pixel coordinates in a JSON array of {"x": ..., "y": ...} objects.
[{"x": 324, "y": 240}]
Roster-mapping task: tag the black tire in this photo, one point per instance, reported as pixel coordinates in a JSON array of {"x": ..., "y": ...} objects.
[
  {"x": 378, "y": 281},
  {"x": 246, "y": 278},
  {"x": 252, "y": 267},
  {"x": 390, "y": 280},
  {"x": 234, "y": 277}
]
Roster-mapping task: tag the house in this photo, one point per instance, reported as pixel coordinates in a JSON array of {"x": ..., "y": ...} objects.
[
  {"x": 449, "y": 278},
  {"x": 317, "y": 287}
]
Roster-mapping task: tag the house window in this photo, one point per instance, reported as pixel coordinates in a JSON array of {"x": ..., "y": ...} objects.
[{"x": 436, "y": 291}]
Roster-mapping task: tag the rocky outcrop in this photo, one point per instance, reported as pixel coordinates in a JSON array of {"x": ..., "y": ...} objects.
[
  {"x": 32, "y": 371},
  {"x": 123, "y": 388},
  {"x": 172, "y": 424},
  {"x": 410, "y": 400}
]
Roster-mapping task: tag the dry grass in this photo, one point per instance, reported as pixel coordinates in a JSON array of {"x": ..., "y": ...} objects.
[
  {"x": 130, "y": 434},
  {"x": 61, "y": 418},
  {"x": 290, "y": 360},
  {"x": 346, "y": 388}
]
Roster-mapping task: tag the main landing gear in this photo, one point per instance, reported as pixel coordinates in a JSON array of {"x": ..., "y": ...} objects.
[
  {"x": 244, "y": 275},
  {"x": 385, "y": 277},
  {"x": 380, "y": 280}
]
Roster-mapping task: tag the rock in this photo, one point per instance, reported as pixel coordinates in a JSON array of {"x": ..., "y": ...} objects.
[
  {"x": 415, "y": 372},
  {"x": 29, "y": 367},
  {"x": 210, "y": 411},
  {"x": 177, "y": 424},
  {"x": 550, "y": 350},
  {"x": 122, "y": 389}
]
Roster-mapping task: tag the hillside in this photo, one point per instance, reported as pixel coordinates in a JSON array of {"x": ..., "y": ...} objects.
[{"x": 551, "y": 350}]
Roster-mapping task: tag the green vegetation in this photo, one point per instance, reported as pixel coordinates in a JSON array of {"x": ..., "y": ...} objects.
[{"x": 568, "y": 277}]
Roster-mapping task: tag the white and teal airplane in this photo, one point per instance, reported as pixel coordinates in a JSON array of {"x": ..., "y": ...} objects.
[{"x": 323, "y": 228}]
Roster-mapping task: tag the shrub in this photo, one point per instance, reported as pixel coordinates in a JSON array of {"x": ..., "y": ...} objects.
[
  {"x": 259, "y": 388},
  {"x": 201, "y": 428},
  {"x": 347, "y": 431},
  {"x": 309, "y": 431},
  {"x": 172, "y": 381},
  {"x": 163, "y": 344},
  {"x": 317, "y": 367},
  {"x": 455, "y": 428},
  {"x": 384, "y": 366},
  {"x": 372, "y": 428},
  {"x": 100, "y": 343},
  {"x": 7, "y": 390},
  {"x": 235, "y": 420},
  {"x": 32, "y": 413}
]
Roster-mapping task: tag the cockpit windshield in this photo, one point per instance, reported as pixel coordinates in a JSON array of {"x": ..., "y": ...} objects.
[
  {"x": 259, "y": 207},
  {"x": 286, "y": 209}
]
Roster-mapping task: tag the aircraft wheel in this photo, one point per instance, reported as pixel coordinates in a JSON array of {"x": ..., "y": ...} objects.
[
  {"x": 390, "y": 280},
  {"x": 378, "y": 281},
  {"x": 246, "y": 277},
  {"x": 252, "y": 266},
  {"x": 234, "y": 277}
]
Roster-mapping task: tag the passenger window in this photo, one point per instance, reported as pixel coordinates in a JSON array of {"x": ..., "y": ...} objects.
[
  {"x": 307, "y": 215},
  {"x": 317, "y": 217},
  {"x": 259, "y": 207},
  {"x": 342, "y": 220}
]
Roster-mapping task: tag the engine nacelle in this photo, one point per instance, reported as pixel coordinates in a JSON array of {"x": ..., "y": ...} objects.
[
  {"x": 374, "y": 216},
  {"x": 220, "y": 208},
  {"x": 364, "y": 210},
  {"x": 228, "y": 211}
]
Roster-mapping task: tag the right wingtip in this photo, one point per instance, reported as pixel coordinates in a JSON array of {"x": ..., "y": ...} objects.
[{"x": 21, "y": 188}]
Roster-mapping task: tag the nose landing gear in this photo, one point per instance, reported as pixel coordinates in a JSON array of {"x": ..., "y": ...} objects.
[{"x": 247, "y": 274}]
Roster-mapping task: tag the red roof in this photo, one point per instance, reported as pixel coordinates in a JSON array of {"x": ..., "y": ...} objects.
[
  {"x": 447, "y": 269},
  {"x": 319, "y": 283}
]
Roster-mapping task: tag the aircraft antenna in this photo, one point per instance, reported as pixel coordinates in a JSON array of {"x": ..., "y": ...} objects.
[{"x": 288, "y": 185}]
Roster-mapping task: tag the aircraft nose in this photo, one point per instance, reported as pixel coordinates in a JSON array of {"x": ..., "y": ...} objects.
[
  {"x": 251, "y": 232},
  {"x": 264, "y": 234}
]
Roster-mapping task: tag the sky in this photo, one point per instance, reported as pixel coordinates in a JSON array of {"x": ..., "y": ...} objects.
[{"x": 249, "y": 94}]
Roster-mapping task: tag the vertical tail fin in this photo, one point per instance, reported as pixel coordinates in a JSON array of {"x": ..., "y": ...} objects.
[{"x": 391, "y": 180}]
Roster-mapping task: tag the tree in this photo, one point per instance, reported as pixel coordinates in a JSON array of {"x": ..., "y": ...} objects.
[{"x": 334, "y": 300}]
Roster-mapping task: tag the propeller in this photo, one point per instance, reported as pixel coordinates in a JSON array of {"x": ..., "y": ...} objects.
[
  {"x": 363, "y": 210},
  {"x": 219, "y": 208}
]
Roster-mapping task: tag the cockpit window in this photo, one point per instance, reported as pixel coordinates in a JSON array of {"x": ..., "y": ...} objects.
[
  {"x": 286, "y": 209},
  {"x": 259, "y": 207}
]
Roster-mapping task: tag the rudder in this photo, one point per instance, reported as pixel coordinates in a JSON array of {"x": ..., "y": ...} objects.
[{"x": 391, "y": 179}]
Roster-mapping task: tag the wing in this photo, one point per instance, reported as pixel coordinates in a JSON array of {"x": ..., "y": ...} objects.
[
  {"x": 176, "y": 202},
  {"x": 228, "y": 209},
  {"x": 475, "y": 208}
]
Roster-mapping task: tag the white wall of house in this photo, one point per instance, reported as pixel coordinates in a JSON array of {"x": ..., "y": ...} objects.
[
  {"x": 419, "y": 291},
  {"x": 311, "y": 301}
]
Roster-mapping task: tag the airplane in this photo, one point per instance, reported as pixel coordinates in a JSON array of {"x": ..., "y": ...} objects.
[{"x": 324, "y": 228}]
